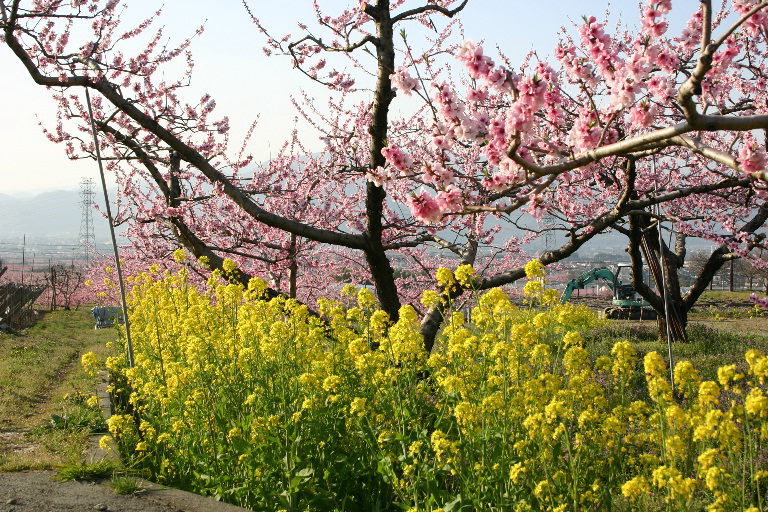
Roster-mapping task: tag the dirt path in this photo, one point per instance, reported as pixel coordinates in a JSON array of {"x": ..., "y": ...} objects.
[
  {"x": 38, "y": 491},
  {"x": 37, "y": 405},
  {"x": 15, "y": 442},
  {"x": 36, "y": 369}
]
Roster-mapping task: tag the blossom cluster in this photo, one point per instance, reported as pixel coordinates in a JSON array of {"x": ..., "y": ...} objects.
[
  {"x": 752, "y": 156},
  {"x": 403, "y": 81}
]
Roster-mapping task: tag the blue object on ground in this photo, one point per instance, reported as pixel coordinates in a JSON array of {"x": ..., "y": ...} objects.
[{"x": 106, "y": 316}]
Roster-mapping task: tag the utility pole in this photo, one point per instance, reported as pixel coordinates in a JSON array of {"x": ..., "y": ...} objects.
[
  {"x": 549, "y": 234},
  {"x": 87, "y": 236},
  {"x": 52, "y": 276},
  {"x": 23, "y": 257}
]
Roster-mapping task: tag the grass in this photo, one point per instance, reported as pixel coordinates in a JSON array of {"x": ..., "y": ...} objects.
[
  {"x": 717, "y": 314},
  {"x": 708, "y": 347},
  {"x": 75, "y": 415},
  {"x": 43, "y": 388},
  {"x": 83, "y": 471},
  {"x": 124, "y": 484},
  {"x": 14, "y": 464},
  {"x": 727, "y": 296}
]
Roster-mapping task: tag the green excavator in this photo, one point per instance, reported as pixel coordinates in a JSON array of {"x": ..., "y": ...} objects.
[{"x": 627, "y": 304}]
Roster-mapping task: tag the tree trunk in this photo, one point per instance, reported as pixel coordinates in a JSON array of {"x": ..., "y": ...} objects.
[
  {"x": 663, "y": 265},
  {"x": 682, "y": 319},
  {"x": 730, "y": 282},
  {"x": 293, "y": 270}
]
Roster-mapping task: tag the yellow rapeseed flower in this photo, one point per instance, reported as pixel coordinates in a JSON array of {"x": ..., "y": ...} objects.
[
  {"x": 105, "y": 443},
  {"x": 331, "y": 383},
  {"x": 727, "y": 375},
  {"x": 533, "y": 288},
  {"x": 534, "y": 269},
  {"x": 636, "y": 488},
  {"x": 709, "y": 394},
  {"x": 229, "y": 265},
  {"x": 756, "y": 403},
  {"x": 707, "y": 458},
  {"x": 365, "y": 299},
  {"x": 516, "y": 471},
  {"x": 415, "y": 448},
  {"x": 358, "y": 406},
  {"x": 445, "y": 277},
  {"x": 465, "y": 275},
  {"x": 430, "y": 298},
  {"x": 686, "y": 377},
  {"x": 90, "y": 363},
  {"x": 572, "y": 339},
  {"x": 654, "y": 364},
  {"x": 465, "y": 413},
  {"x": 179, "y": 256}
]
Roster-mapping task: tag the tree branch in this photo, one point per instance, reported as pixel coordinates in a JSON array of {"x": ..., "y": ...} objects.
[{"x": 427, "y": 8}]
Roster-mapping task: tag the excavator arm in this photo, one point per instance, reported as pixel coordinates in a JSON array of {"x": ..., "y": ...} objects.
[{"x": 587, "y": 277}]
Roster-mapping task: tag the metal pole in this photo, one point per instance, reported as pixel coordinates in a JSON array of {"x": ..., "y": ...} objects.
[
  {"x": 664, "y": 285},
  {"x": 111, "y": 231}
]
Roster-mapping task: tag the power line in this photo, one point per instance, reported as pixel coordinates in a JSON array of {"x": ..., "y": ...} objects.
[{"x": 35, "y": 244}]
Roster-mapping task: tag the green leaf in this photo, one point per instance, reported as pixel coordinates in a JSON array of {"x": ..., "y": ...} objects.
[
  {"x": 449, "y": 507},
  {"x": 306, "y": 473}
]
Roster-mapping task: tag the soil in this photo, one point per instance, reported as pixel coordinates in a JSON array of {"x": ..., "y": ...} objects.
[
  {"x": 14, "y": 442},
  {"x": 38, "y": 491}
]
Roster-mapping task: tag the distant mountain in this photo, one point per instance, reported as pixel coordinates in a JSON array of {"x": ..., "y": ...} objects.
[
  {"x": 55, "y": 216},
  {"x": 50, "y": 215}
]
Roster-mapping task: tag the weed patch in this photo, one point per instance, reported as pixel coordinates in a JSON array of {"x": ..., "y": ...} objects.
[{"x": 84, "y": 471}]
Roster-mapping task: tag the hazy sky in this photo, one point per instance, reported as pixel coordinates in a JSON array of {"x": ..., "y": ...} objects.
[{"x": 231, "y": 66}]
